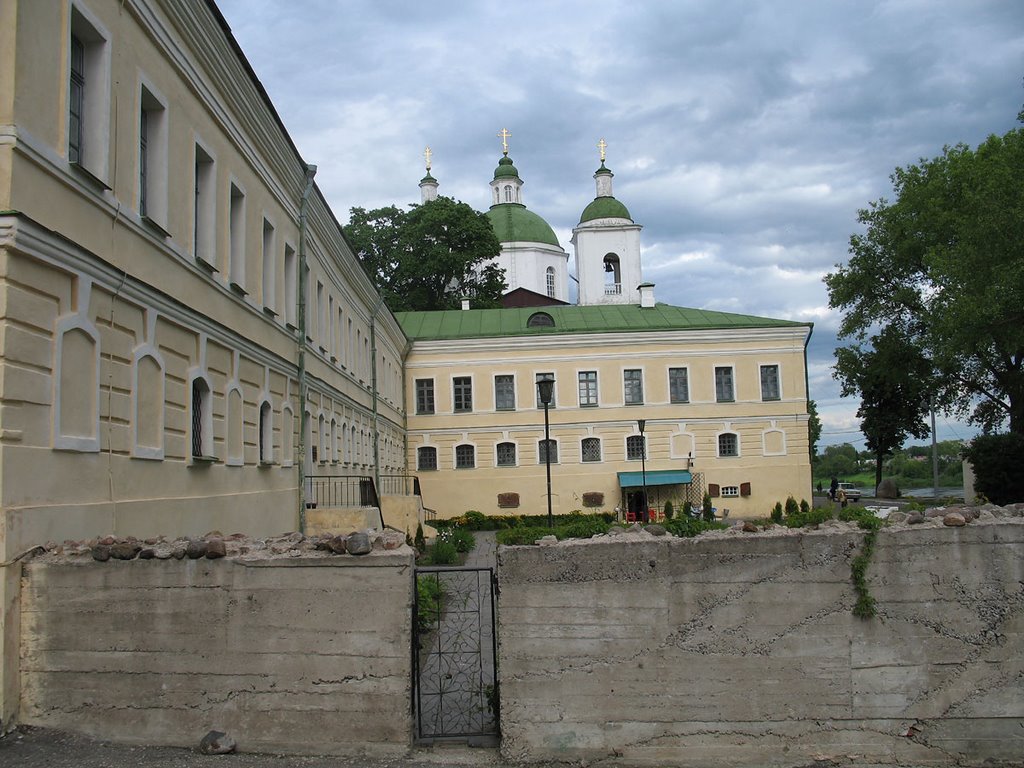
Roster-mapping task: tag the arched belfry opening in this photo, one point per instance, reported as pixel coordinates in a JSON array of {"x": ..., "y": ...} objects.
[{"x": 612, "y": 275}]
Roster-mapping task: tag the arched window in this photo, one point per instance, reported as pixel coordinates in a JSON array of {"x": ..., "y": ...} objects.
[
  {"x": 728, "y": 444},
  {"x": 505, "y": 454},
  {"x": 321, "y": 439},
  {"x": 540, "y": 320},
  {"x": 266, "y": 428},
  {"x": 635, "y": 447},
  {"x": 550, "y": 275},
  {"x": 545, "y": 449},
  {"x": 426, "y": 458},
  {"x": 465, "y": 456},
  {"x": 202, "y": 419},
  {"x": 508, "y": 193},
  {"x": 590, "y": 449}
]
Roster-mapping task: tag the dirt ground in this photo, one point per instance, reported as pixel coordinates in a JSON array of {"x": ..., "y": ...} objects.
[{"x": 43, "y": 748}]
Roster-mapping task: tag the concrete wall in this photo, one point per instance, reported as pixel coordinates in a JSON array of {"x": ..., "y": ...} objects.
[
  {"x": 742, "y": 649},
  {"x": 301, "y": 654}
]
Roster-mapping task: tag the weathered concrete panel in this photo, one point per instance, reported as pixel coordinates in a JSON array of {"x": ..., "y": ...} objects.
[
  {"x": 743, "y": 650},
  {"x": 285, "y": 657}
]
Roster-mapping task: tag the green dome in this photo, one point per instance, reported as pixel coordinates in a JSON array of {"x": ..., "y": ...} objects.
[
  {"x": 505, "y": 169},
  {"x": 605, "y": 208},
  {"x": 514, "y": 224}
]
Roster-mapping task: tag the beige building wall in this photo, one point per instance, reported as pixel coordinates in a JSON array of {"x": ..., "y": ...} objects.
[
  {"x": 772, "y": 434},
  {"x": 150, "y": 290}
]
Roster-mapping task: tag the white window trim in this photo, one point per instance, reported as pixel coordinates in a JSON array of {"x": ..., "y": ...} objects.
[
  {"x": 268, "y": 288},
  {"x": 558, "y": 450},
  {"x": 206, "y": 453},
  {"x": 579, "y": 371},
  {"x": 291, "y": 285},
  {"x": 625, "y": 446},
  {"x": 287, "y": 433},
  {"x": 760, "y": 392},
  {"x": 437, "y": 458},
  {"x": 236, "y": 237},
  {"x": 682, "y": 432},
  {"x": 140, "y": 451},
  {"x": 668, "y": 384},
  {"x": 714, "y": 382},
  {"x": 733, "y": 494},
  {"x": 96, "y": 131},
  {"x": 476, "y": 454},
  {"x": 472, "y": 393},
  {"x": 515, "y": 392},
  {"x": 76, "y": 322},
  {"x": 156, "y": 154},
  {"x": 600, "y": 443},
  {"x": 643, "y": 384},
  {"x": 502, "y": 442},
  {"x": 739, "y": 443},
  {"x": 764, "y": 441}
]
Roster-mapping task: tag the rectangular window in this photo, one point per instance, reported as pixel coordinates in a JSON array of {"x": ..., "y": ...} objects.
[
  {"x": 505, "y": 455},
  {"x": 291, "y": 277},
  {"x": 152, "y": 159},
  {"x": 724, "y": 392},
  {"x": 88, "y": 96},
  {"x": 728, "y": 444},
  {"x": 236, "y": 240},
  {"x": 269, "y": 268},
  {"x": 462, "y": 394},
  {"x": 588, "y": 389},
  {"x": 730, "y": 490},
  {"x": 635, "y": 447},
  {"x": 424, "y": 396},
  {"x": 770, "y": 382},
  {"x": 504, "y": 393},
  {"x": 204, "y": 213},
  {"x": 591, "y": 449},
  {"x": 633, "y": 386},
  {"x": 321, "y": 309},
  {"x": 537, "y": 389},
  {"x": 679, "y": 385}
]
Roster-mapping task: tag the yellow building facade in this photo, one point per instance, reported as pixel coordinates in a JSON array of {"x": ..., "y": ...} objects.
[
  {"x": 185, "y": 337},
  {"x": 723, "y": 398}
]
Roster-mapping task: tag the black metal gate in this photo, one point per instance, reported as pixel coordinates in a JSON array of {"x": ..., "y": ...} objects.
[{"x": 455, "y": 689}]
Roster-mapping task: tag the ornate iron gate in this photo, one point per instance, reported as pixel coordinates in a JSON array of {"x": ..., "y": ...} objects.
[{"x": 455, "y": 689}]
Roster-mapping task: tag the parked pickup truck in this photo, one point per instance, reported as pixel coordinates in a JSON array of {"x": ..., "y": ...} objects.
[{"x": 853, "y": 493}]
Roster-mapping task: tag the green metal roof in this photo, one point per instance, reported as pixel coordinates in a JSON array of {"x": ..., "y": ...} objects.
[
  {"x": 505, "y": 169},
  {"x": 655, "y": 477},
  {"x": 513, "y": 223},
  {"x": 610, "y": 318},
  {"x": 605, "y": 208}
]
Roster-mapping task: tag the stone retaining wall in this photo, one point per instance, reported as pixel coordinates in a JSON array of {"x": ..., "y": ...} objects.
[
  {"x": 290, "y": 650},
  {"x": 741, "y": 649}
]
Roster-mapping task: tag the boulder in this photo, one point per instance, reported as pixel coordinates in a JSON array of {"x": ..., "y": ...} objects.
[
  {"x": 358, "y": 544},
  {"x": 195, "y": 548},
  {"x": 217, "y": 743},
  {"x": 954, "y": 519},
  {"x": 215, "y": 548},
  {"x": 101, "y": 553},
  {"x": 124, "y": 550},
  {"x": 887, "y": 489},
  {"x": 655, "y": 530},
  {"x": 338, "y": 545}
]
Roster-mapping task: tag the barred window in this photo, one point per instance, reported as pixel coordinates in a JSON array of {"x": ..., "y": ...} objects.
[
  {"x": 546, "y": 448},
  {"x": 505, "y": 455},
  {"x": 426, "y": 458},
  {"x": 635, "y": 447},
  {"x": 591, "y": 449},
  {"x": 465, "y": 456},
  {"x": 728, "y": 444}
]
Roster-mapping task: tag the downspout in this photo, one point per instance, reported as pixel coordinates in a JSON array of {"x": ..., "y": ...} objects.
[
  {"x": 303, "y": 415},
  {"x": 373, "y": 393}
]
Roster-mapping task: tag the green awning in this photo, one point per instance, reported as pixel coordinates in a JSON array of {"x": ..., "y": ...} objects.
[{"x": 655, "y": 477}]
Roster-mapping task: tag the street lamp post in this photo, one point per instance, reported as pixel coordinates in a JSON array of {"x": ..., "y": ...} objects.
[
  {"x": 643, "y": 464},
  {"x": 545, "y": 388}
]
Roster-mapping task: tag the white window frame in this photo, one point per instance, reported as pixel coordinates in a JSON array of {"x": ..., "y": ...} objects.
[
  {"x": 778, "y": 381},
  {"x": 512, "y": 378},
  {"x": 269, "y": 286},
  {"x": 732, "y": 383},
  {"x": 515, "y": 448},
  {"x": 151, "y": 176},
  {"x": 729, "y": 491},
  {"x": 718, "y": 444},
  {"x": 94, "y": 127},
  {"x": 625, "y": 388},
  {"x": 236, "y": 237},
  {"x": 597, "y": 388},
  {"x": 455, "y": 454},
  {"x": 549, "y": 441},
  {"x": 686, "y": 372},
  {"x": 204, "y": 209},
  {"x": 469, "y": 378},
  {"x": 419, "y": 465},
  {"x": 583, "y": 453},
  {"x": 631, "y": 439}
]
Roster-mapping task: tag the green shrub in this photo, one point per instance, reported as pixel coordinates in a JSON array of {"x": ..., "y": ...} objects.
[
  {"x": 707, "y": 509},
  {"x": 577, "y": 526},
  {"x": 462, "y": 540},
  {"x": 688, "y": 509},
  {"x": 428, "y": 601},
  {"x": 685, "y": 526},
  {"x": 669, "y": 511},
  {"x": 805, "y": 508},
  {"x": 792, "y": 508},
  {"x": 776, "y": 514},
  {"x": 997, "y": 460},
  {"x": 419, "y": 541},
  {"x": 443, "y": 552}
]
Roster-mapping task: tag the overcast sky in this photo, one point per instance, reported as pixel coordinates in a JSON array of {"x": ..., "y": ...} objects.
[{"x": 744, "y": 135}]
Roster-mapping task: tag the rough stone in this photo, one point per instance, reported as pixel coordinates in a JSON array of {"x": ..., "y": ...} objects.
[
  {"x": 195, "y": 548},
  {"x": 915, "y": 518},
  {"x": 547, "y": 541},
  {"x": 616, "y": 531},
  {"x": 178, "y": 551},
  {"x": 749, "y": 527},
  {"x": 101, "y": 553},
  {"x": 124, "y": 551},
  {"x": 897, "y": 517},
  {"x": 215, "y": 548},
  {"x": 147, "y": 553},
  {"x": 887, "y": 489},
  {"x": 656, "y": 530},
  {"x": 163, "y": 551},
  {"x": 954, "y": 519},
  {"x": 107, "y": 540},
  {"x": 358, "y": 544},
  {"x": 338, "y": 545},
  {"x": 217, "y": 743},
  {"x": 393, "y": 540}
]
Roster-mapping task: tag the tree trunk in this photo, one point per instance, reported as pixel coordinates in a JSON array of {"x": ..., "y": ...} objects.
[{"x": 878, "y": 470}]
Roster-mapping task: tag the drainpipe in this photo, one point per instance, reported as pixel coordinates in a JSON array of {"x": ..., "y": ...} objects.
[
  {"x": 373, "y": 393},
  {"x": 303, "y": 415}
]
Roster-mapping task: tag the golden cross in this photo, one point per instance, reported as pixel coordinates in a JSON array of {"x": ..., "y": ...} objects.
[
  {"x": 503, "y": 134},
  {"x": 602, "y": 145},
  {"x": 428, "y": 154}
]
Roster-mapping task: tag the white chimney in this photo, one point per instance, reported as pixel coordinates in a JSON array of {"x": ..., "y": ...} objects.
[{"x": 646, "y": 295}]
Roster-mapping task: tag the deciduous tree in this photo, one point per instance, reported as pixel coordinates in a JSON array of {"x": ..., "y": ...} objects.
[
  {"x": 943, "y": 264},
  {"x": 430, "y": 256}
]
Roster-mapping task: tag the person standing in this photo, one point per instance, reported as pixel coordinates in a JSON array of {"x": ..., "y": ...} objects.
[{"x": 832, "y": 488}]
